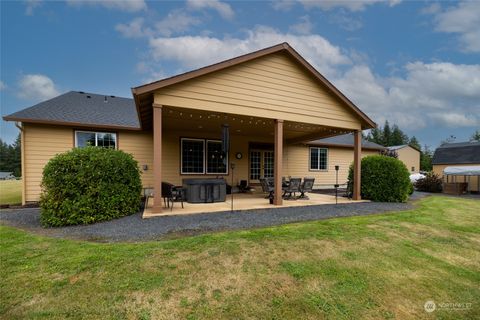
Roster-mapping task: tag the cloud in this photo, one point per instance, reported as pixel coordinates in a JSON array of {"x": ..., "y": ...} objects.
[
  {"x": 351, "y": 5},
  {"x": 197, "y": 51},
  {"x": 464, "y": 20},
  {"x": 2, "y": 85},
  {"x": 305, "y": 26},
  {"x": 176, "y": 21},
  {"x": 36, "y": 87},
  {"x": 345, "y": 21},
  {"x": 31, "y": 5},
  {"x": 223, "y": 9},
  {"x": 429, "y": 93},
  {"x": 122, "y": 5},
  {"x": 134, "y": 29}
]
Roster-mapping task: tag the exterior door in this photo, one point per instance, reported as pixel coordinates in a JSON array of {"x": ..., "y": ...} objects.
[{"x": 261, "y": 165}]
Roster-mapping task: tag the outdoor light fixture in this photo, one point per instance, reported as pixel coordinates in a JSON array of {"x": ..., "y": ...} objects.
[
  {"x": 336, "y": 184},
  {"x": 145, "y": 167}
]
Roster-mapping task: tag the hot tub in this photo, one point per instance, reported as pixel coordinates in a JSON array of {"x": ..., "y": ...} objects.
[{"x": 205, "y": 190}]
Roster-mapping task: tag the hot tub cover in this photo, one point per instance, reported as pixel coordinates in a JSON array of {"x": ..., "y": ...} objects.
[{"x": 462, "y": 171}]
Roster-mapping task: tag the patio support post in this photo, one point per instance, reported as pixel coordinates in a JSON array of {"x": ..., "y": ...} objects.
[
  {"x": 357, "y": 160},
  {"x": 278, "y": 165},
  {"x": 157, "y": 158}
]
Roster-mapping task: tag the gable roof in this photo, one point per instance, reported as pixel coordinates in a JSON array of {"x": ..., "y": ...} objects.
[
  {"x": 143, "y": 94},
  {"x": 457, "y": 153},
  {"x": 394, "y": 148},
  {"x": 82, "y": 109},
  {"x": 345, "y": 140}
]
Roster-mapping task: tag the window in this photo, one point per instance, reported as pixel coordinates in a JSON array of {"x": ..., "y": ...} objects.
[
  {"x": 200, "y": 156},
  {"x": 318, "y": 158},
  {"x": 413, "y": 169},
  {"x": 193, "y": 156},
  {"x": 215, "y": 158},
  {"x": 96, "y": 139}
]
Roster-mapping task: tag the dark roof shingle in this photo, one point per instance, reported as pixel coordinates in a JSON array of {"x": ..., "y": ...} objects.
[
  {"x": 81, "y": 108},
  {"x": 345, "y": 140},
  {"x": 457, "y": 153}
]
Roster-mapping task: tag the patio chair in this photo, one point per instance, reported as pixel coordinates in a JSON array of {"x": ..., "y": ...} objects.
[
  {"x": 306, "y": 186},
  {"x": 267, "y": 188},
  {"x": 243, "y": 186},
  {"x": 292, "y": 188},
  {"x": 171, "y": 193}
]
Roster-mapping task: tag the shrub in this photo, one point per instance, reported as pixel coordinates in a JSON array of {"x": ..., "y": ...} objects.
[
  {"x": 383, "y": 179},
  {"x": 87, "y": 185},
  {"x": 431, "y": 183}
]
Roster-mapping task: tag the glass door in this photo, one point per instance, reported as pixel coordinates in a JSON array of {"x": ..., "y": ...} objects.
[{"x": 261, "y": 165}]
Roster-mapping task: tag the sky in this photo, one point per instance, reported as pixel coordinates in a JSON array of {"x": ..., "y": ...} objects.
[{"x": 415, "y": 64}]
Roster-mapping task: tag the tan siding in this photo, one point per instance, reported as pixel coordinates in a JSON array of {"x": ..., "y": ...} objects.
[
  {"x": 474, "y": 181},
  {"x": 410, "y": 157},
  {"x": 41, "y": 144},
  {"x": 272, "y": 87},
  {"x": 297, "y": 164}
]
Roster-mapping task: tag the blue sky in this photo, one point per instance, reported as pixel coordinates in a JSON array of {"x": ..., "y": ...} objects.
[{"x": 416, "y": 64}]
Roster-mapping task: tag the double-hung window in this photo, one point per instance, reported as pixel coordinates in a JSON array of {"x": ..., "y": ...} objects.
[
  {"x": 201, "y": 156},
  {"x": 95, "y": 139},
  {"x": 318, "y": 158}
]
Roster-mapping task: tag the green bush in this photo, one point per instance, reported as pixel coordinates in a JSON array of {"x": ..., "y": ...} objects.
[
  {"x": 87, "y": 185},
  {"x": 431, "y": 183},
  {"x": 383, "y": 179}
]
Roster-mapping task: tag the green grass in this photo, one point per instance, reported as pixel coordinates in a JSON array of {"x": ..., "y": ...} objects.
[
  {"x": 10, "y": 192},
  {"x": 371, "y": 267}
]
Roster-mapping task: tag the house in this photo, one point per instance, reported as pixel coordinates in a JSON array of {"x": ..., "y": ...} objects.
[
  {"x": 409, "y": 155},
  {"x": 339, "y": 152},
  {"x": 459, "y": 155},
  {"x": 272, "y": 101}
]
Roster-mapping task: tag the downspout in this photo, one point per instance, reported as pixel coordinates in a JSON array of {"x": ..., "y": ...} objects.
[{"x": 22, "y": 151}]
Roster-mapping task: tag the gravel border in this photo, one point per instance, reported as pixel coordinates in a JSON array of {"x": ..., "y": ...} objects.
[{"x": 133, "y": 228}]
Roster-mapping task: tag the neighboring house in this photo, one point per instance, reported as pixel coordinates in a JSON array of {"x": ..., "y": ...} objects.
[
  {"x": 6, "y": 175},
  {"x": 409, "y": 155},
  {"x": 459, "y": 154},
  {"x": 272, "y": 100}
]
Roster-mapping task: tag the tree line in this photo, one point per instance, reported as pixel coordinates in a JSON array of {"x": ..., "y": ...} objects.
[{"x": 11, "y": 156}]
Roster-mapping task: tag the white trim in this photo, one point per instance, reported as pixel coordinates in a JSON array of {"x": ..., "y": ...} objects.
[
  {"x": 318, "y": 164},
  {"x": 206, "y": 158},
  {"x": 96, "y": 137},
  {"x": 181, "y": 156}
]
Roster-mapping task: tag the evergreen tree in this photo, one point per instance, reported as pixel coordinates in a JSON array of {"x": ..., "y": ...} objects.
[
  {"x": 414, "y": 143},
  {"x": 398, "y": 137},
  {"x": 475, "y": 136},
  {"x": 426, "y": 156},
  {"x": 387, "y": 135},
  {"x": 10, "y": 157}
]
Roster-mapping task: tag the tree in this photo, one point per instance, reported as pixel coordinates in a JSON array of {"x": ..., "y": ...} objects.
[
  {"x": 475, "y": 136},
  {"x": 450, "y": 139},
  {"x": 414, "y": 143},
  {"x": 10, "y": 157},
  {"x": 397, "y": 137},
  {"x": 387, "y": 135},
  {"x": 426, "y": 156}
]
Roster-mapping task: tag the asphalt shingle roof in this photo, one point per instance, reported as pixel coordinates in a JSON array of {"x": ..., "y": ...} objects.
[
  {"x": 345, "y": 140},
  {"x": 457, "y": 153},
  {"x": 82, "y": 108}
]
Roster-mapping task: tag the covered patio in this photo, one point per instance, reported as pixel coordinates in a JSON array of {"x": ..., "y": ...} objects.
[
  {"x": 272, "y": 102},
  {"x": 241, "y": 202}
]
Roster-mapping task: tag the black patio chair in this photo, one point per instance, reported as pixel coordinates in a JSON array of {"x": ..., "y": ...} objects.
[
  {"x": 292, "y": 188},
  {"x": 306, "y": 186},
  {"x": 171, "y": 193},
  {"x": 243, "y": 186},
  {"x": 267, "y": 188}
]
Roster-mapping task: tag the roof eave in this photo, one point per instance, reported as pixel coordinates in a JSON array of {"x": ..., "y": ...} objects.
[{"x": 70, "y": 124}]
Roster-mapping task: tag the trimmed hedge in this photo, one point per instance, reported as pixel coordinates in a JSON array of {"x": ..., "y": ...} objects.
[
  {"x": 88, "y": 185},
  {"x": 384, "y": 179}
]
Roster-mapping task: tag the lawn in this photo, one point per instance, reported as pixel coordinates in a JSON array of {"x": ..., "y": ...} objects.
[
  {"x": 10, "y": 192},
  {"x": 370, "y": 267}
]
